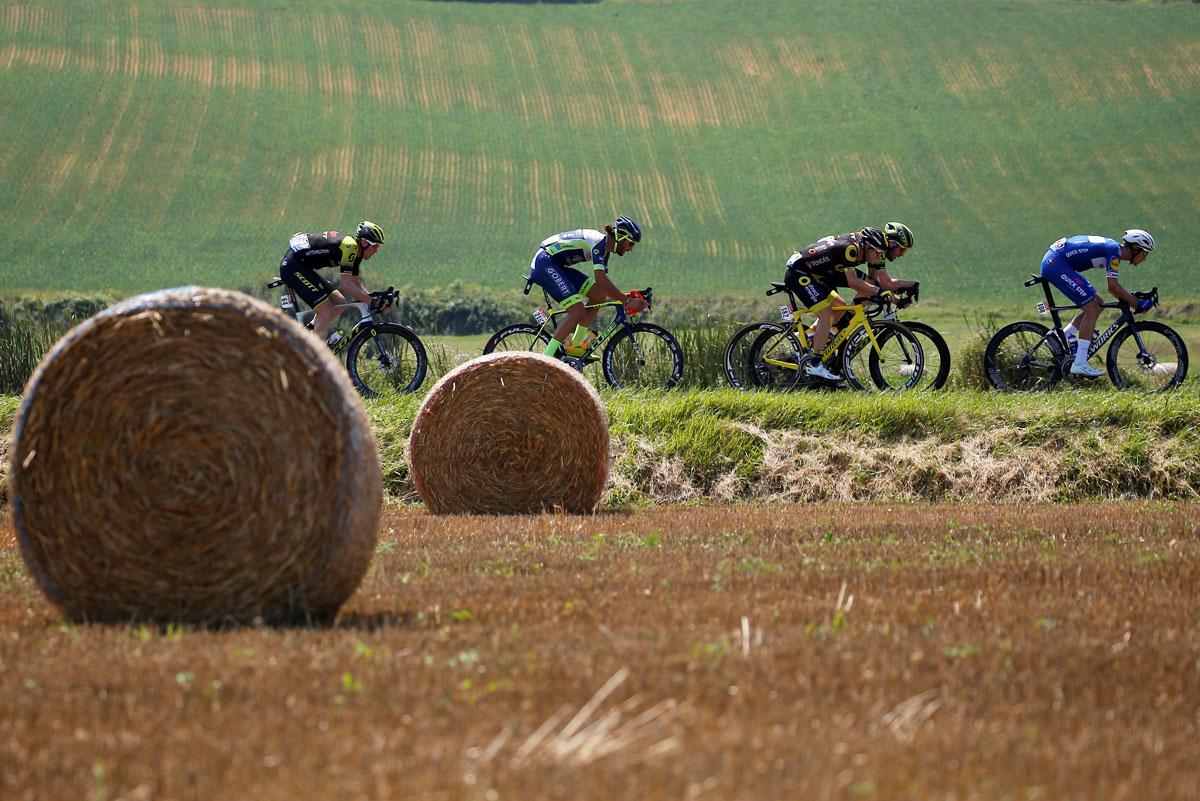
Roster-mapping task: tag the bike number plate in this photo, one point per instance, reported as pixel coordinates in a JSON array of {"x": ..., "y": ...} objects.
[
  {"x": 285, "y": 301},
  {"x": 1042, "y": 307},
  {"x": 785, "y": 313},
  {"x": 540, "y": 316}
]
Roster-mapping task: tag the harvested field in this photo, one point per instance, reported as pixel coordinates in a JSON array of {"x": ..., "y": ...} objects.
[{"x": 825, "y": 651}]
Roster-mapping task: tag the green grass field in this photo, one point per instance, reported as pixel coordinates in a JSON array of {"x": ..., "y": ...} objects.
[{"x": 146, "y": 145}]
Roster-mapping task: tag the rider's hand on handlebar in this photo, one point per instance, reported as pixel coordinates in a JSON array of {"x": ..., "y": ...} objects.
[
  {"x": 1143, "y": 304},
  {"x": 635, "y": 304},
  {"x": 885, "y": 296}
]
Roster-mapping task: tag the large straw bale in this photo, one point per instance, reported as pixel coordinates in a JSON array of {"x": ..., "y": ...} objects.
[
  {"x": 510, "y": 433},
  {"x": 193, "y": 455}
]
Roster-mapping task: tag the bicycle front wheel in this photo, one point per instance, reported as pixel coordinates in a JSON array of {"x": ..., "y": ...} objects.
[
  {"x": 936, "y": 353},
  {"x": 897, "y": 365},
  {"x": 642, "y": 356},
  {"x": 1147, "y": 356},
  {"x": 519, "y": 336},
  {"x": 762, "y": 356},
  {"x": 386, "y": 359},
  {"x": 1023, "y": 357}
]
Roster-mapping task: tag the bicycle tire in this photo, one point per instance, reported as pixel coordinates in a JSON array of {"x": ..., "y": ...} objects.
[
  {"x": 518, "y": 336},
  {"x": 642, "y": 355},
  {"x": 744, "y": 365},
  {"x": 395, "y": 362},
  {"x": 899, "y": 364},
  {"x": 936, "y": 372},
  {"x": 1021, "y": 358},
  {"x": 1142, "y": 369}
]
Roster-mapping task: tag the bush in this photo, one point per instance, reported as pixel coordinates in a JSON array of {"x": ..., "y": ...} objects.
[
  {"x": 23, "y": 342},
  {"x": 967, "y": 371}
]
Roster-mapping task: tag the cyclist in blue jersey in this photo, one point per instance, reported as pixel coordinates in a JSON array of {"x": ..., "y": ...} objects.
[
  {"x": 553, "y": 269},
  {"x": 1064, "y": 262}
]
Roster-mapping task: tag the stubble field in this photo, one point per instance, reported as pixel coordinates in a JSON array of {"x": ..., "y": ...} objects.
[{"x": 824, "y": 651}]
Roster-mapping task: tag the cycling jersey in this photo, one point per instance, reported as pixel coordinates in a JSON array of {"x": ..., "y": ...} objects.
[
  {"x": 575, "y": 247},
  {"x": 828, "y": 257},
  {"x": 1085, "y": 252},
  {"x": 328, "y": 249},
  {"x": 308, "y": 253}
]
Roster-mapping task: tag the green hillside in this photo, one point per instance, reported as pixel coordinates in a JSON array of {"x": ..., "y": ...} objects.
[{"x": 149, "y": 144}]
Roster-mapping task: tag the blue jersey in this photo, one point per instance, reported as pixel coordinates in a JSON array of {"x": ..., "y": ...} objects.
[
  {"x": 1085, "y": 252},
  {"x": 575, "y": 247}
]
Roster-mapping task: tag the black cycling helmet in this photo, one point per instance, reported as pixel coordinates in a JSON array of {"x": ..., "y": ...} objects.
[
  {"x": 874, "y": 238},
  {"x": 371, "y": 232},
  {"x": 897, "y": 233},
  {"x": 625, "y": 228}
]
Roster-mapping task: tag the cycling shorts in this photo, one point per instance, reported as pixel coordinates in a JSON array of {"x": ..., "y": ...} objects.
[
  {"x": 565, "y": 285},
  {"x": 309, "y": 285},
  {"x": 811, "y": 290},
  {"x": 1066, "y": 279}
]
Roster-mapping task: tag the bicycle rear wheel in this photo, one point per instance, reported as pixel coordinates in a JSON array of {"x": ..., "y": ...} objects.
[
  {"x": 1023, "y": 357},
  {"x": 762, "y": 356},
  {"x": 936, "y": 353},
  {"x": 518, "y": 336},
  {"x": 642, "y": 356},
  {"x": 385, "y": 359},
  {"x": 1147, "y": 356}
]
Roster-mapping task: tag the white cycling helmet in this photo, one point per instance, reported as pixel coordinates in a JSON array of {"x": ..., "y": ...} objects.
[{"x": 1139, "y": 239}]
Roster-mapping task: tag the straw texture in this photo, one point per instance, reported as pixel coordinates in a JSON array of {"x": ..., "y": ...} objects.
[
  {"x": 510, "y": 433},
  {"x": 193, "y": 455}
]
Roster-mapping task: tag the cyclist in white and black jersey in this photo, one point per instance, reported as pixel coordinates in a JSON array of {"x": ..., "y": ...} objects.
[{"x": 553, "y": 268}]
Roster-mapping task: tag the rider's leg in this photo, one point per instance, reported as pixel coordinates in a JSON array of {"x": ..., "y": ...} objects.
[
  {"x": 594, "y": 295},
  {"x": 565, "y": 286},
  {"x": 569, "y": 321},
  {"x": 324, "y": 314},
  {"x": 1087, "y": 327}
]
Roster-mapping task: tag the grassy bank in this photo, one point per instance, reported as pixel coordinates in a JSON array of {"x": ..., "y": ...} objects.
[{"x": 723, "y": 445}]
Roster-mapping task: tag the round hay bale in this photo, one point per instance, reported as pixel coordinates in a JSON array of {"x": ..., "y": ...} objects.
[
  {"x": 510, "y": 433},
  {"x": 193, "y": 455}
]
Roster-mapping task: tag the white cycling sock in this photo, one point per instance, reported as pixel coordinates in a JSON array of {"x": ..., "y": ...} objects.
[
  {"x": 1081, "y": 355},
  {"x": 1070, "y": 330}
]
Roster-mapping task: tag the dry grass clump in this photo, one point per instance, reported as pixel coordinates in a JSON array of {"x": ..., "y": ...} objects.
[
  {"x": 509, "y": 433},
  {"x": 192, "y": 455}
]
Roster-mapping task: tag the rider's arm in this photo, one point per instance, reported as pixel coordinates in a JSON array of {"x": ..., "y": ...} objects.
[
  {"x": 1114, "y": 281},
  {"x": 885, "y": 281},
  {"x": 608, "y": 287},
  {"x": 1121, "y": 293},
  {"x": 352, "y": 285},
  {"x": 859, "y": 284}
]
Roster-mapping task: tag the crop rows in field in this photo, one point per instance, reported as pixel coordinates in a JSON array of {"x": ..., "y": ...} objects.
[{"x": 473, "y": 131}]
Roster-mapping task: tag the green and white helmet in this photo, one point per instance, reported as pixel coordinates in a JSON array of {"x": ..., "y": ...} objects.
[{"x": 898, "y": 233}]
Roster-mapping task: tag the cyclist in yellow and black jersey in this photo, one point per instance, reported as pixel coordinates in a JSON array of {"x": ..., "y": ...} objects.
[
  {"x": 309, "y": 252},
  {"x": 815, "y": 271}
]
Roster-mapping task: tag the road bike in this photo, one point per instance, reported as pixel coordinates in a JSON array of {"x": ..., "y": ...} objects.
[
  {"x": 872, "y": 352},
  {"x": 631, "y": 354},
  {"x": 382, "y": 358},
  {"x": 1144, "y": 355}
]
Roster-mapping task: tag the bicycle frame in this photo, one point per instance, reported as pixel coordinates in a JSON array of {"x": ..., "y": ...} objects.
[
  {"x": 551, "y": 313},
  {"x": 1125, "y": 318},
  {"x": 858, "y": 320},
  {"x": 287, "y": 302}
]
